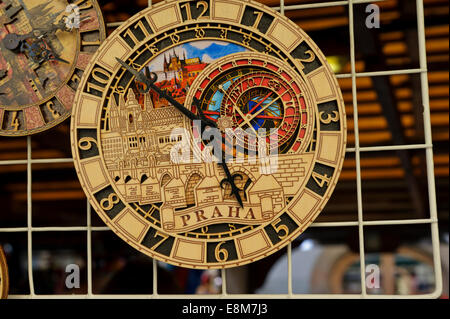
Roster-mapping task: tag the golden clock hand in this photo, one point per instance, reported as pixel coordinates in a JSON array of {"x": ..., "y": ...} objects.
[
  {"x": 236, "y": 108},
  {"x": 230, "y": 180},
  {"x": 57, "y": 58},
  {"x": 245, "y": 118},
  {"x": 39, "y": 52}
]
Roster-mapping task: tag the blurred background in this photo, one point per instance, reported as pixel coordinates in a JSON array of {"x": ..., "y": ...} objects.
[{"x": 325, "y": 259}]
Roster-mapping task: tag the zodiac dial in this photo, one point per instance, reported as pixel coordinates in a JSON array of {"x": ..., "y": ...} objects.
[
  {"x": 4, "y": 279},
  {"x": 252, "y": 91},
  {"x": 208, "y": 134},
  {"x": 44, "y": 49}
]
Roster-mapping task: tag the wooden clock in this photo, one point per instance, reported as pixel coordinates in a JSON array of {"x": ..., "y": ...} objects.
[
  {"x": 208, "y": 134},
  {"x": 4, "y": 279},
  {"x": 45, "y": 47}
]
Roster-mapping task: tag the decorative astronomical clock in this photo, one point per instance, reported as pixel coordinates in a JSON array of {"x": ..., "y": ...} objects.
[
  {"x": 45, "y": 47},
  {"x": 208, "y": 134},
  {"x": 4, "y": 279}
]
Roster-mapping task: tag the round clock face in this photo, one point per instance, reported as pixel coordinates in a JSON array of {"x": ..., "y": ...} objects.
[
  {"x": 187, "y": 79},
  {"x": 4, "y": 279},
  {"x": 45, "y": 47}
]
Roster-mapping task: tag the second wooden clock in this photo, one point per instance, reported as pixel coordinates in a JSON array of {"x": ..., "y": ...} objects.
[{"x": 45, "y": 47}]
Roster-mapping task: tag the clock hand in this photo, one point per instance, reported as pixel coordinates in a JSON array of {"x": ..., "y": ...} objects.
[
  {"x": 203, "y": 117},
  {"x": 39, "y": 52},
  {"x": 245, "y": 118},
  {"x": 261, "y": 110},
  {"x": 229, "y": 178},
  {"x": 12, "y": 41},
  {"x": 51, "y": 56},
  {"x": 149, "y": 82},
  {"x": 260, "y": 103}
]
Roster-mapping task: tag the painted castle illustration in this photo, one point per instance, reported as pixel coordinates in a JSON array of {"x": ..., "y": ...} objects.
[
  {"x": 175, "y": 76},
  {"x": 136, "y": 148},
  {"x": 184, "y": 69}
]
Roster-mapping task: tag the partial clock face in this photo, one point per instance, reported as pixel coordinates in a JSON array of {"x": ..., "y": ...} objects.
[
  {"x": 269, "y": 97},
  {"x": 44, "y": 49},
  {"x": 4, "y": 279}
]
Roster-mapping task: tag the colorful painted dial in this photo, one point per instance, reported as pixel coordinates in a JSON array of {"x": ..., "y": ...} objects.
[
  {"x": 259, "y": 95},
  {"x": 237, "y": 57},
  {"x": 44, "y": 49},
  {"x": 4, "y": 279}
]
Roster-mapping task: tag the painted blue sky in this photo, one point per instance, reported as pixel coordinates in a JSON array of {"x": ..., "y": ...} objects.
[
  {"x": 206, "y": 50},
  {"x": 213, "y": 50}
]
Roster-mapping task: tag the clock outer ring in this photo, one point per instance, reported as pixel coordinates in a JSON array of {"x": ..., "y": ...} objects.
[
  {"x": 85, "y": 182},
  {"x": 66, "y": 115},
  {"x": 4, "y": 278}
]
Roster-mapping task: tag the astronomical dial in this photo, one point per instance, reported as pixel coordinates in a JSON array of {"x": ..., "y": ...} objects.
[
  {"x": 45, "y": 47},
  {"x": 179, "y": 71}
]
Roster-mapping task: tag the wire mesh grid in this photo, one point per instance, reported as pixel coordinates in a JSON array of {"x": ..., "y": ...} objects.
[{"x": 432, "y": 221}]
